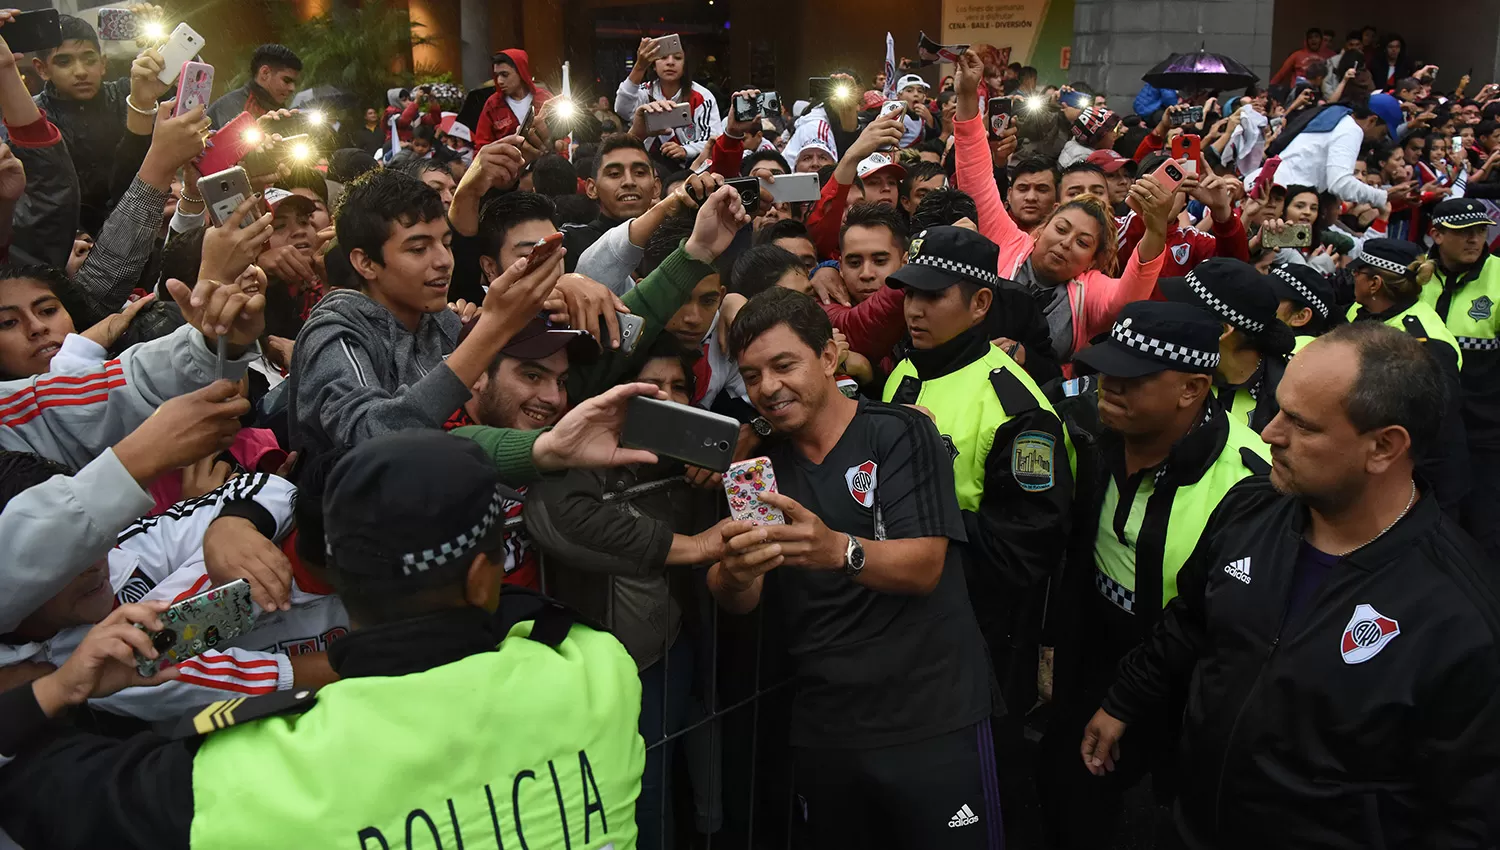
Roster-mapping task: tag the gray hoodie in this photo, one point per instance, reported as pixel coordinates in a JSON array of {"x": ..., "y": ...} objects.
[{"x": 357, "y": 372}]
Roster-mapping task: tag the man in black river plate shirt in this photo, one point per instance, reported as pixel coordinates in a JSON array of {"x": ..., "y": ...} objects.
[{"x": 890, "y": 722}]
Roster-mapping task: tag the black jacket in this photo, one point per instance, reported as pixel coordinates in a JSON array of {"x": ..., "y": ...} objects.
[
  {"x": 1365, "y": 721},
  {"x": 92, "y": 129},
  {"x": 604, "y": 535},
  {"x": 578, "y": 238}
]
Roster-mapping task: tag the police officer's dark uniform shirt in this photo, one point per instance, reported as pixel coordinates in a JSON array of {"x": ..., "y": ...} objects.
[
  {"x": 1363, "y": 716},
  {"x": 877, "y": 669}
]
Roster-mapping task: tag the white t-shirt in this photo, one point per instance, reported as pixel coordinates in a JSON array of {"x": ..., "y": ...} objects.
[{"x": 519, "y": 107}]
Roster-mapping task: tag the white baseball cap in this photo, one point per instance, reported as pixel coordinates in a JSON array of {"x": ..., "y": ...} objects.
[
  {"x": 911, "y": 80},
  {"x": 878, "y": 162}
]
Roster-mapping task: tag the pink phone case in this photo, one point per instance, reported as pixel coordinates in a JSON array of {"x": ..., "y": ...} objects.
[
  {"x": 744, "y": 482},
  {"x": 194, "y": 87}
]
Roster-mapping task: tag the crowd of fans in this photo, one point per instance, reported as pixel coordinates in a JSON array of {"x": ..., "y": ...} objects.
[{"x": 1176, "y": 422}]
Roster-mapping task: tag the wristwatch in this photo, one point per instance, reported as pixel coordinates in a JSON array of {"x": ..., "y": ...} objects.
[
  {"x": 854, "y": 558},
  {"x": 762, "y": 426}
]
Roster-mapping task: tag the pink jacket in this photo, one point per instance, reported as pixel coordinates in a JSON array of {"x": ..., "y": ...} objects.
[{"x": 1096, "y": 298}]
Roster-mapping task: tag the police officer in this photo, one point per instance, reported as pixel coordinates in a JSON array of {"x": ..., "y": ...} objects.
[
  {"x": 1335, "y": 632},
  {"x": 1388, "y": 276},
  {"x": 1255, "y": 343},
  {"x": 1012, "y": 465},
  {"x": 1306, "y": 301},
  {"x": 1169, "y": 454},
  {"x": 451, "y": 724},
  {"x": 1464, "y": 292}
]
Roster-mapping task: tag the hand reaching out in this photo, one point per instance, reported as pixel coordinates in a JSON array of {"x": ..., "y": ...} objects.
[
  {"x": 107, "y": 332},
  {"x": 588, "y": 436},
  {"x": 719, "y": 219},
  {"x": 12, "y": 175}
]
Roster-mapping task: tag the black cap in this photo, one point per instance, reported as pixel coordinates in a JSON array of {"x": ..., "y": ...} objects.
[
  {"x": 412, "y": 507},
  {"x": 540, "y": 339},
  {"x": 1156, "y": 336},
  {"x": 1303, "y": 284},
  {"x": 1393, "y": 256},
  {"x": 1238, "y": 294},
  {"x": 939, "y": 257},
  {"x": 1459, "y": 213}
]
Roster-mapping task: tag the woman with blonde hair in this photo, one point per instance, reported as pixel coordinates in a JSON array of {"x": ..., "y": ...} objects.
[
  {"x": 1388, "y": 277},
  {"x": 1069, "y": 261}
]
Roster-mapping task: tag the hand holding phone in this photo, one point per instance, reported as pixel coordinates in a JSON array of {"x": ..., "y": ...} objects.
[
  {"x": 660, "y": 120},
  {"x": 198, "y": 624},
  {"x": 690, "y": 434},
  {"x": 997, "y": 116},
  {"x": 543, "y": 251},
  {"x": 195, "y": 86},
  {"x": 749, "y": 189},
  {"x": 744, "y": 484}
]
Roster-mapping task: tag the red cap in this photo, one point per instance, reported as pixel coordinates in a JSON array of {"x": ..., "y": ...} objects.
[{"x": 1108, "y": 160}]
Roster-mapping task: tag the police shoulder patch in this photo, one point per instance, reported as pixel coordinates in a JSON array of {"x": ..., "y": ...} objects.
[
  {"x": 1031, "y": 461},
  {"x": 232, "y": 712}
]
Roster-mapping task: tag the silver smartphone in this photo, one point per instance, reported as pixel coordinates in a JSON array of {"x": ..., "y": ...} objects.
[
  {"x": 793, "y": 188},
  {"x": 680, "y": 431},
  {"x": 680, "y": 116},
  {"x": 223, "y": 192},
  {"x": 668, "y": 45},
  {"x": 630, "y": 332},
  {"x": 197, "y": 624}
]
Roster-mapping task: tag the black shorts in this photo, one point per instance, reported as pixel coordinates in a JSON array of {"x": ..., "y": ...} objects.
[{"x": 940, "y": 792}]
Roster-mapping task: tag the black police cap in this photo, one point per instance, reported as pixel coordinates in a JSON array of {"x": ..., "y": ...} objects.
[
  {"x": 1156, "y": 336},
  {"x": 1239, "y": 295},
  {"x": 940, "y": 257}
]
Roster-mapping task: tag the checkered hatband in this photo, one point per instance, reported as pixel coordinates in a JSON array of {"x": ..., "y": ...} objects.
[
  {"x": 1307, "y": 294},
  {"x": 1167, "y": 351},
  {"x": 973, "y": 272},
  {"x": 1235, "y": 317},
  {"x": 458, "y": 547}
]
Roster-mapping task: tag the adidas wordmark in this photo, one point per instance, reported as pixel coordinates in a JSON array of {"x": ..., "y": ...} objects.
[
  {"x": 964, "y": 817},
  {"x": 1240, "y": 569}
]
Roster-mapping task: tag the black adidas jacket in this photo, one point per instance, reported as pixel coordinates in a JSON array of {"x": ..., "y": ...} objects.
[{"x": 1369, "y": 721}]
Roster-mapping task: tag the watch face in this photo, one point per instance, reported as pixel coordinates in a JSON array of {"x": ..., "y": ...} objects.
[{"x": 762, "y": 426}]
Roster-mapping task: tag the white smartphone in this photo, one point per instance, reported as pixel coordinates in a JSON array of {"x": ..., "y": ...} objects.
[
  {"x": 793, "y": 188},
  {"x": 182, "y": 45}
]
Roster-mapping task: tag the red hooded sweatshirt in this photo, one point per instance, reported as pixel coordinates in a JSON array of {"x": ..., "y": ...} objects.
[{"x": 497, "y": 120}]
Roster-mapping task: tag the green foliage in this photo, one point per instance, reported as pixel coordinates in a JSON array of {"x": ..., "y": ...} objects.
[{"x": 364, "y": 50}]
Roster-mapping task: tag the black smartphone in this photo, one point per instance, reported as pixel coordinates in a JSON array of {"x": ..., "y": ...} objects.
[
  {"x": 997, "y": 116},
  {"x": 770, "y": 103},
  {"x": 525, "y": 129},
  {"x": 680, "y": 431},
  {"x": 749, "y": 189},
  {"x": 31, "y": 31},
  {"x": 745, "y": 109}
]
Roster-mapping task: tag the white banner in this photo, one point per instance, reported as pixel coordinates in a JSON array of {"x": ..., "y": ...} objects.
[{"x": 1011, "y": 26}]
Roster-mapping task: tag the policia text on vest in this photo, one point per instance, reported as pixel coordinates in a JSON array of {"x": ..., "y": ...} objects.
[{"x": 422, "y": 830}]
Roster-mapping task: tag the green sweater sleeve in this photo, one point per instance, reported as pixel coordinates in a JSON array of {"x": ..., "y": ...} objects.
[
  {"x": 509, "y": 448},
  {"x": 655, "y": 299}
]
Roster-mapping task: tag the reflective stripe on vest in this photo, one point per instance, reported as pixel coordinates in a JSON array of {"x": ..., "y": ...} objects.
[
  {"x": 1191, "y": 507},
  {"x": 528, "y": 746},
  {"x": 1432, "y": 326},
  {"x": 1473, "y": 310},
  {"x": 968, "y": 412}
]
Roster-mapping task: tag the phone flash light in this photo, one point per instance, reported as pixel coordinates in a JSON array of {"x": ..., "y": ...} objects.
[
  {"x": 842, "y": 92},
  {"x": 315, "y": 117},
  {"x": 154, "y": 30},
  {"x": 1085, "y": 103},
  {"x": 301, "y": 151},
  {"x": 1035, "y": 102},
  {"x": 565, "y": 109},
  {"x": 253, "y": 136}
]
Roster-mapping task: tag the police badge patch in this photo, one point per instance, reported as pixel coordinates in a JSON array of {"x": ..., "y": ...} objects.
[
  {"x": 1480, "y": 308},
  {"x": 1031, "y": 460}
]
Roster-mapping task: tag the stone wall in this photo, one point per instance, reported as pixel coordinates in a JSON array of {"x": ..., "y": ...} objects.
[{"x": 1116, "y": 41}]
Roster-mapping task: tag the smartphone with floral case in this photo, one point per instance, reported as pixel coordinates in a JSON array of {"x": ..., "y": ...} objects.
[{"x": 744, "y": 483}]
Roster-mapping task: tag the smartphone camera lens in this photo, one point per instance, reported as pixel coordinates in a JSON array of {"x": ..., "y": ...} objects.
[
  {"x": 164, "y": 639},
  {"x": 1174, "y": 173},
  {"x": 722, "y": 445}
]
